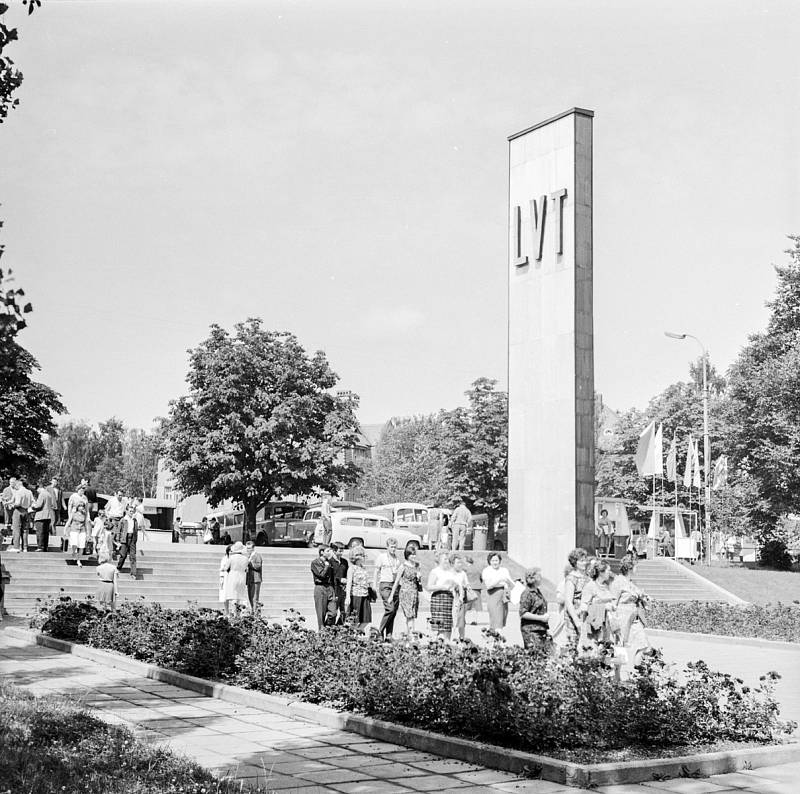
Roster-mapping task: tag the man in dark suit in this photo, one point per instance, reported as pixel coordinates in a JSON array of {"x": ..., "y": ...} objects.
[
  {"x": 254, "y": 564},
  {"x": 324, "y": 596},
  {"x": 44, "y": 514},
  {"x": 339, "y": 565}
]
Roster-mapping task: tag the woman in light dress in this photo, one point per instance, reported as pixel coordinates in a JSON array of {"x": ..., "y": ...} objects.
[
  {"x": 357, "y": 603},
  {"x": 631, "y": 602},
  {"x": 235, "y": 588},
  {"x": 597, "y": 610},
  {"x": 498, "y": 584},
  {"x": 463, "y": 598},
  {"x": 78, "y": 524},
  {"x": 574, "y": 582},
  {"x": 443, "y": 586},
  {"x": 223, "y": 572}
]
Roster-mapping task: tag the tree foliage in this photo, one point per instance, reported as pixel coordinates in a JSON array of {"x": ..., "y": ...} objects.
[
  {"x": 409, "y": 463},
  {"x": 112, "y": 456},
  {"x": 764, "y": 440},
  {"x": 260, "y": 421}
]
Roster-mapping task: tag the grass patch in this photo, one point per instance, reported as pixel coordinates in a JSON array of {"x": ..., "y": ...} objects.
[
  {"x": 753, "y": 583},
  {"x": 50, "y": 745}
]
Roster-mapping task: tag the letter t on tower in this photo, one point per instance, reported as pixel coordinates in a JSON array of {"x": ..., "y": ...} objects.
[{"x": 550, "y": 344}]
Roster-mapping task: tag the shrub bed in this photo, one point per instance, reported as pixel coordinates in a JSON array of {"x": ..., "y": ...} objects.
[
  {"x": 494, "y": 693},
  {"x": 770, "y": 622},
  {"x": 50, "y": 745}
]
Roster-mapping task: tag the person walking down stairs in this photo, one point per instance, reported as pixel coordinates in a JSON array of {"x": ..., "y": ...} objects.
[{"x": 128, "y": 538}]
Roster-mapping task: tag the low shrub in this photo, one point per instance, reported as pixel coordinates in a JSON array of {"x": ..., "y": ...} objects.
[
  {"x": 770, "y": 622},
  {"x": 492, "y": 693},
  {"x": 775, "y": 554},
  {"x": 50, "y": 745}
]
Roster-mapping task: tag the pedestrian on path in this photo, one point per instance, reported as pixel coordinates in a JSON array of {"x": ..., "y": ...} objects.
[
  {"x": 571, "y": 592},
  {"x": 442, "y": 585},
  {"x": 597, "y": 610},
  {"x": 498, "y": 583},
  {"x": 254, "y": 565},
  {"x": 459, "y": 522},
  {"x": 44, "y": 517},
  {"x": 631, "y": 602},
  {"x": 22, "y": 501},
  {"x": 128, "y": 535},
  {"x": 236, "y": 579},
  {"x": 324, "y": 594},
  {"x": 387, "y": 566},
  {"x": 78, "y": 526},
  {"x": 533, "y": 618},
  {"x": 408, "y": 583},
  {"x": 357, "y": 602},
  {"x": 107, "y": 572}
]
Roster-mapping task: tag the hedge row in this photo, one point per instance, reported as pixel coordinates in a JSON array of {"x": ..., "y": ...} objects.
[
  {"x": 495, "y": 693},
  {"x": 771, "y": 622}
]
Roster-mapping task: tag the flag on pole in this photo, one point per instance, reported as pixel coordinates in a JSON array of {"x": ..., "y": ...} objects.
[
  {"x": 672, "y": 461},
  {"x": 687, "y": 472},
  {"x": 696, "y": 462},
  {"x": 658, "y": 452},
  {"x": 645, "y": 452},
  {"x": 720, "y": 479}
]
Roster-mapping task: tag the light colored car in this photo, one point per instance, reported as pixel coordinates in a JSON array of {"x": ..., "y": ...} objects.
[{"x": 372, "y": 530}]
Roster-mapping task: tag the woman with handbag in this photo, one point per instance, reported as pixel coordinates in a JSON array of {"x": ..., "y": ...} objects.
[
  {"x": 598, "y": 604},
  {"x": 357, "y": 598},
  {"x": 409, "y": 583}
]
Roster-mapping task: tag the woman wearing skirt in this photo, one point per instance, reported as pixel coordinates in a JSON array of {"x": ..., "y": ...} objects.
[
  {"x": 107, "y": 587},
  {"x": 498, "y": 583},
  {"x": 442, "y": 585},
  {"x": 357, "y": 605},
  {"x": 78, "y": 525}
]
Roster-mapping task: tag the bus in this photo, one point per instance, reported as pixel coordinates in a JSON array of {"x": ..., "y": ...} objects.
[{"x": 275, "y": 524}]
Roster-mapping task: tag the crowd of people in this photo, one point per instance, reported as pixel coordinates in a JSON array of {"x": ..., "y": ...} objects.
[
  {"x": 79, "y": 525},
  {"x": 597, "y": 611}
]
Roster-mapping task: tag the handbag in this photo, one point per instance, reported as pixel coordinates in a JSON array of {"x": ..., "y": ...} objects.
[
  {"x": 207, "y": 536},
  {"x": 371, "y": 594},
  {"x": 470, "y": 595}
]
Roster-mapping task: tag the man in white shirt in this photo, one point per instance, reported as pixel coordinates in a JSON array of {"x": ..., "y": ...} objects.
[
  {"x": 22, "y": 500},
  {"x": 459, "y": 522}
]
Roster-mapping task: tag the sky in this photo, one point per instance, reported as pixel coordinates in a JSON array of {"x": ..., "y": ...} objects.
[{"x": 340, "y": 169}]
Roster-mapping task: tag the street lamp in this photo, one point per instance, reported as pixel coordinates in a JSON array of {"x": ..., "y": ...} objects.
[{"x": 706, "y": 445}]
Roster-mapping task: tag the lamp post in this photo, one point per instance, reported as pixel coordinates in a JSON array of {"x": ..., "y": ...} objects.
[{"x": 706, "y": 445}]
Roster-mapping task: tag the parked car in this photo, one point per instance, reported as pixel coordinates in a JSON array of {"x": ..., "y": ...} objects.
[{"x": 353, "y": 526}]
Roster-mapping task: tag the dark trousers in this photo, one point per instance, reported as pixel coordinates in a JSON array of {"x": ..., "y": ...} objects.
[
  {"x": 254, "y": 595},
  {"x": 324, "y": 604},
  {"x": 42, "y": 534},
  {"x": 124, "y": 550},
  {"x": 19, "y": 528},
  {"x": 390, "y": 607},
  {"x": 339, "y": 592}
]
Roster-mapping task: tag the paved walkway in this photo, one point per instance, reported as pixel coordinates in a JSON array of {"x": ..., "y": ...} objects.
[{"x": 294, "y": 756}]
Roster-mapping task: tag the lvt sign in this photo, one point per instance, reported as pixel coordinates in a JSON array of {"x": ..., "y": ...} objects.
[{"x": 537, "y": 216}]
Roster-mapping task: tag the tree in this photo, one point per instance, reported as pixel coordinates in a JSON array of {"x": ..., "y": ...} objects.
[
  {"x": 409, "y": 464},
  {"x": 259, "y": 421},
  {"x": 764, "y": 440},
  {"x": 72, "y": 453},
  {"x": 140, "y": 452},
  {"x": 26, "y": 406},
  {"x": 476, "y": 451}
]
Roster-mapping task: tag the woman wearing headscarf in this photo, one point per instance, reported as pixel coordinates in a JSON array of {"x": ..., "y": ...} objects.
[
  {"x": 236, "y": 580},
  {"x": 442, "y": 585},
  {"x": 498, "y": 583}
]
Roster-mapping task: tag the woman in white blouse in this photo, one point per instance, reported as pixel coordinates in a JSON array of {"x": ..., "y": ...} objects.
[{"x": 498, "y": 583}]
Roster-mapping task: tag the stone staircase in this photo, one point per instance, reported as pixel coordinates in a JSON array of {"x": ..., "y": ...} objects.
[
  {"x": 180, "y": 574},
  {"x": 666, "y": 580},
  {"x": 174, "y": 576}
]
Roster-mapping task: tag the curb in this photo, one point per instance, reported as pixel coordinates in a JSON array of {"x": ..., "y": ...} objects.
[
  {"x": 778, "y": 645},
  {"x": 507, "y": 760}
]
